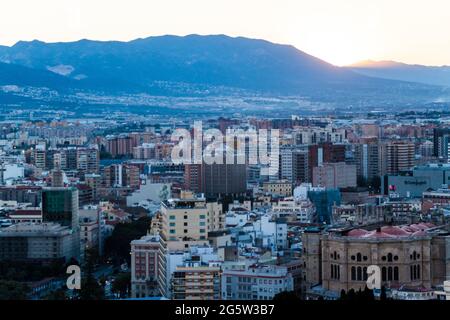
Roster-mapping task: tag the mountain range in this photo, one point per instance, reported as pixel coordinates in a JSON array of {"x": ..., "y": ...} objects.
[
  {"x": 433, "y": 75},
  {"x": 173, "y": 65}
]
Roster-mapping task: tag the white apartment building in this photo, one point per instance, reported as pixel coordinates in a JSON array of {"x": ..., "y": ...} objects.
[
  {"x": 300, "y": 210},
  {"x": 255, "y": 282}
]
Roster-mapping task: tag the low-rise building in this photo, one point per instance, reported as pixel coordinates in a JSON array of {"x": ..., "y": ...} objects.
[
  {"x": 144, "y": 266},
  {"x": 281, "y": 188},
  {"x": 37, "y": 242},
  {"x": 255, "y": 282}
]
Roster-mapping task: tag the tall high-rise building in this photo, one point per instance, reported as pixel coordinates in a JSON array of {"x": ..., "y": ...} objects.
[
  {"x": 324, "y": 152},
  {"x": 335, "y": 175},
  {"x": 61, "y": 205},
  {"x": 441, "y": 142},
  {"x": 94, "y": 181},
  {"x": 40, "y": 156},
  {"x": 300, "y": 166},
  {"x": 88, "y": 160},
  {"x": 294, "y": 164},
  {"x": 286, "y": 163},
  {"x": 131, "y": 176},
  {"x": 400, "y": 156},
  {"x": 224, "y": 179},
  {"x": 121, "y": 175},
  {"x": 69, "y": 159},
  {"x": 367, "y": 160},
  {"x": 193, "y": 177},
  {"x": 120, "y": 145}
]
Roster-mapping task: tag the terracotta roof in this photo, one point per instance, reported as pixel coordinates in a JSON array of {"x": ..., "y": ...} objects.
[{"x": 414, "y": 230}]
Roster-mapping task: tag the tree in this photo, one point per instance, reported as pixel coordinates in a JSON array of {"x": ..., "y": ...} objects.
[
  {"x": 59, "y": 294},
  {"x": 368, "y": 294},
  {"x": 360, "y": 295},
  {"x": 90, "y": 287},
  {"x": 351, "y": 294},
  {"x": 286, "y": 296},
  {"x": 117, "y": 246},
  {"x": 13, "y": 290},
  {"x": 122, "y": 284},
  {"x": 383, "y": 295}
]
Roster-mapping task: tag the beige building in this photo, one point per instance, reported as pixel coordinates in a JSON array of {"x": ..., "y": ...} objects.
[
  {"x": 335, "y": 175},
  {"x": 90, "y": 229},
  {"x": 190, "y": 217},
  {"x": 183, "y": 223},
  {"x": 399, "y": 156},
  {"x": 196, "y": 283},
  {"x": 94, "y": 181},
  {"x": 144, "y": 266},
  {"x": 280, "y": 187},
  {"x": 38, "y": 242},
  {"x": 410, "y": 255}
]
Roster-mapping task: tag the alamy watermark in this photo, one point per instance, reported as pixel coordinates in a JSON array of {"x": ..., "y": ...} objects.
[
  {"x": 373, "y": 277},
  {"x": 237, "y": 146},
  {"x": 74, "y": 280}
]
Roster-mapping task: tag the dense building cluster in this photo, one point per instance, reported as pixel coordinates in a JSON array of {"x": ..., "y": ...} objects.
[{"x": 346, "y": 194}]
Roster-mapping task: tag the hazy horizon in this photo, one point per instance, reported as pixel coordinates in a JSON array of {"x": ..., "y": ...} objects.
[{"x": 341, "y": 33}]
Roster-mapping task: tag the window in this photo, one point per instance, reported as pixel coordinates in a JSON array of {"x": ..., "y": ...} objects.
[
  {"x": 172, "y": 231},
  {"x": 414, "y": 272},
  {"x": 172, "y": 217},
  {"x": 202, "y": 223},
  {"x": 390, "y": 275},
  {"x": 358, "y": 257},
  {"x": 202, "y": 216},
  {"x": 172, "y": 224},
  {"x": 202, "y": 230},
  {"x": 335, "y": 272}
]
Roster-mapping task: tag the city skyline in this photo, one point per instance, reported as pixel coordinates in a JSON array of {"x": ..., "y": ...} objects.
[{"x": 339, "y": 33}]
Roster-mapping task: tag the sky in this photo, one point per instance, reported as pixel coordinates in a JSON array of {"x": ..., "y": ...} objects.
[{"x": 338, "y": 31}]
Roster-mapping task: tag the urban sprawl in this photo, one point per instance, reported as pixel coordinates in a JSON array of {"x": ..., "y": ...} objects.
[{"x": 105, "y": 194}]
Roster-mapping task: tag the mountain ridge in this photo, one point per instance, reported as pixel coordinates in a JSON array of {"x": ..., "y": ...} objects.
[
  {"x": 171, "y": 64},
  {"x": 393, "y": 70}
]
